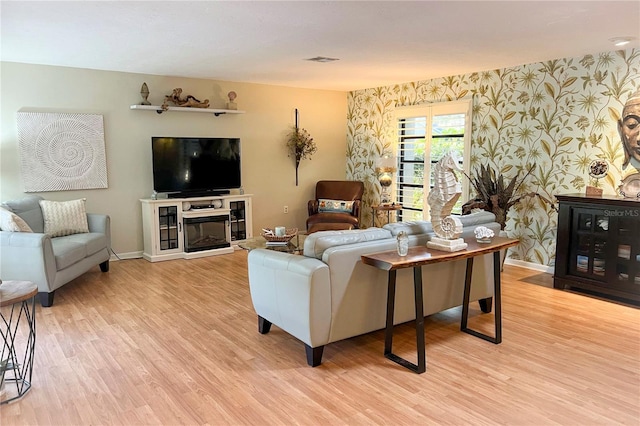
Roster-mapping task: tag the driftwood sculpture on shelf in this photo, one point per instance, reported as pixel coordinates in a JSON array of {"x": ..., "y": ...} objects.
[{"x": 187, "y": 102}]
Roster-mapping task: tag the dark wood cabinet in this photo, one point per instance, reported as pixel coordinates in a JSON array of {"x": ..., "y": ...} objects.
[{"x": 598, "y": 245}]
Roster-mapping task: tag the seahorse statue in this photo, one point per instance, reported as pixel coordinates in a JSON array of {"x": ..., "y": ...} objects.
[{"x": 444, "y": 195}]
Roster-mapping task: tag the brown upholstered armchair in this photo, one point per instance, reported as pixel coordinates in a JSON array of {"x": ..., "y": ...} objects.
[{"x": 337, "y": 201}]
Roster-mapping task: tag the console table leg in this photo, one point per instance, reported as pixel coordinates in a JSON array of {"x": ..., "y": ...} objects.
[
  {"x": 467, "y": 293},
  {"x": 419, "y": 300},
  {"x": 498, "y": 295},
  {"x": 391, "y": 300},
  {"x": 421, "y": 367},
  {"x": 498, "y": 301}
]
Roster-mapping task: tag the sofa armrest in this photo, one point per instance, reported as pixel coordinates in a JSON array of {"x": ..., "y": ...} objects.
[
  {"x": 27, "y": 256},
  {"x": 292, "y": 292},
  {"x": 100, "y": 223}
]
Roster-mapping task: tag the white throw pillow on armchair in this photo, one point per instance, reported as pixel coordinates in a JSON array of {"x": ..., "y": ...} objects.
[
  {"x": 64, "y": 217},
  {"x": 11, "y": 222}
]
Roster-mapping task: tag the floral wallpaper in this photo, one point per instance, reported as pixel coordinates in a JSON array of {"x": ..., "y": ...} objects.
[{"x": 555, "y": 116}]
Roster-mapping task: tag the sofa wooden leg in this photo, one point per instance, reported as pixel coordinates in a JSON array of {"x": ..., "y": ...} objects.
[
  {"x": 46, "y": 299},
  {"x": 485, "y": 304},
  {"x": 314, "y": 355},
  {"x": 263, "y": 325},
  {"x": 104, "y": 266}
]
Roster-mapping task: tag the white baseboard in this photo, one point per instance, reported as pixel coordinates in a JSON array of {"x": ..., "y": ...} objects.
[
  {"x": 124, "y": 256},
  {"x": 529, "y": 265}
]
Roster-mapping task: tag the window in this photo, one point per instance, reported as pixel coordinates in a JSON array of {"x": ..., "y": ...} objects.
[{"x": 425, "y": 134}]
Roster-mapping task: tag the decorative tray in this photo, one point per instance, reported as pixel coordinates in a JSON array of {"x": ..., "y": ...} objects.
[{"x": 270, "y": 235}]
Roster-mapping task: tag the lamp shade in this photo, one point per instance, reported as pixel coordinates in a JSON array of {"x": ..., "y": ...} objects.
[{"x": 386, "y": 164}]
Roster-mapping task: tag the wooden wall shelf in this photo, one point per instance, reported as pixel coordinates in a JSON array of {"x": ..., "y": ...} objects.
[{"x": 159, "y": 110}]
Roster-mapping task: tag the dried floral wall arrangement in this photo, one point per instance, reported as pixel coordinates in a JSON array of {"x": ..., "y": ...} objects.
[{"x": 300, "y": 145}]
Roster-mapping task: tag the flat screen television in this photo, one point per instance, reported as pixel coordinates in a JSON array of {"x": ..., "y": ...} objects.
[{"x": 184, "y": 167}]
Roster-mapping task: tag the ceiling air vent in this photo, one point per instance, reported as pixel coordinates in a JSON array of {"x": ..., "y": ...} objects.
[{"x": 322, "y": 59}]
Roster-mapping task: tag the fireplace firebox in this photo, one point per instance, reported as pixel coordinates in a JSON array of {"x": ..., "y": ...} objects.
[{"x": 206, "y": 233}]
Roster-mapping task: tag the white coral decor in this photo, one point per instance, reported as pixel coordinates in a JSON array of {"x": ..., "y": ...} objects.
[{"x": 483, "y": 233}]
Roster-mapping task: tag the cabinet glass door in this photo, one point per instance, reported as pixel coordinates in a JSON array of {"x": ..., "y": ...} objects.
[
  {"x": 238, "y": 224},
  {"x": 168, "y": 227},
  {"x": 588, "y": 256},
  {"x": 628, "y": 251}
]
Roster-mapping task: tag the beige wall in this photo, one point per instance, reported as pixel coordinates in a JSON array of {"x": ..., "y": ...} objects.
[{"x": 266, "y": 170}]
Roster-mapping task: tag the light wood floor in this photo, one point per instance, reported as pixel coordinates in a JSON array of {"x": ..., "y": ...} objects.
[{"x": 177, "y": 343}]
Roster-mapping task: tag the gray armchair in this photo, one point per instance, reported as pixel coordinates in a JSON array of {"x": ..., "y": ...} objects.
[{"x": 51, "y": 262}]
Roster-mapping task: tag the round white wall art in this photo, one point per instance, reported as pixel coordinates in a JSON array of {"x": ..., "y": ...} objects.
[{"x": 60, "y": 152}]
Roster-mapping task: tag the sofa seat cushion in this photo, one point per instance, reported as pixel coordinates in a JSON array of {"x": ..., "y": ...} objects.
[
  {"x": 93, "y": 241},
  {"x": 67, "y": 252},
  {"x": 316, "y": 243},
  {"x": 333, "y": 217},
  {"x": 73, "y": 248}
]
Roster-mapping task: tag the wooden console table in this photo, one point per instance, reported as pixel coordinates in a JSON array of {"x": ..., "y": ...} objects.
[{"x": 417, "y": 257}]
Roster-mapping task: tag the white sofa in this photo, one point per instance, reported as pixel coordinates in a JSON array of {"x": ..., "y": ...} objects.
[
  {"x": 328, "y": 294},
  {"x": 51, "y": 262}
]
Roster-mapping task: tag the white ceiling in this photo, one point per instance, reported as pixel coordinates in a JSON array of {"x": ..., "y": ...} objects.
[{"x": 378, "y": 42}]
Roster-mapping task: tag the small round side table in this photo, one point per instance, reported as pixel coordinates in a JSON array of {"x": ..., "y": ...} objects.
[
  {"x": 18, "y": 332},
  {"x": 384, "y": 208}
]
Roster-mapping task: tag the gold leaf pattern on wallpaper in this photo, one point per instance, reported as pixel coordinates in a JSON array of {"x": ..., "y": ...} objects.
[{"x": 558, "y": 114}]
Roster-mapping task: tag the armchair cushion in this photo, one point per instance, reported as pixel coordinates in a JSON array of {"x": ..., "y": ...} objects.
[
  {"x": 12, "y": 222},
  {"x": 63, "y": 218},
  {"x": 339, "y": 206},
  {"x": 67, "y": 252}
]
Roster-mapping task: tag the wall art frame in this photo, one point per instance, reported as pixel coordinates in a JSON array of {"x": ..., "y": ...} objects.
[{"x": 61, "y": 151}]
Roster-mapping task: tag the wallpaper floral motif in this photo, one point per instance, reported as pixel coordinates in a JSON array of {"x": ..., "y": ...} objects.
[{"x": 556, "y": 116}]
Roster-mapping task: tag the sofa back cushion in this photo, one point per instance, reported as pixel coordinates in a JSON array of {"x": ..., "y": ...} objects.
[
  {"x": 318, "y": 242},
  {"x": 479, "y": 217},
  {"x": 424, "y": 227},
  {"x": 28, "y": 208},
  {"x": 410, "y": 228}
]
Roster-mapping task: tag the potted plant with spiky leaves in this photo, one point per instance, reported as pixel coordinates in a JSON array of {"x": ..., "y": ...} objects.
[{"x": 495, "y": 195}]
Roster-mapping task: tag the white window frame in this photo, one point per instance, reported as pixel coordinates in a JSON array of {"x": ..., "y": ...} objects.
[{"x": 428, "y": 111}]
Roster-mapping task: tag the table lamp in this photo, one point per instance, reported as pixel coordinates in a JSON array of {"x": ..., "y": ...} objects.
[{"x": 386, "y": 168}]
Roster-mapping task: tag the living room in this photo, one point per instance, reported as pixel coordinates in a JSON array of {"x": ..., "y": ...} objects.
[{"x": 552, "y": 87}]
